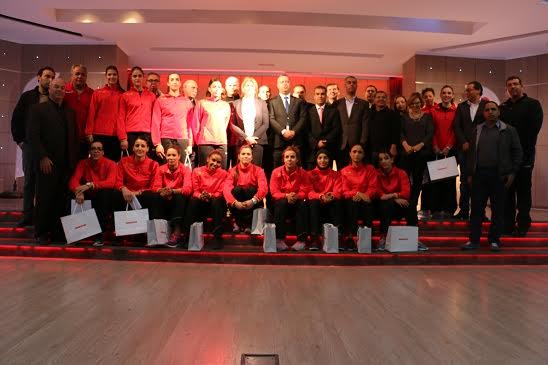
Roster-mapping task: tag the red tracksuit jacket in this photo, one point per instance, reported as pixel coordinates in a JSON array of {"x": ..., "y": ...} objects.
[
  {"x": 102, "y": 173},
  {"x": 252, "y": 175}
]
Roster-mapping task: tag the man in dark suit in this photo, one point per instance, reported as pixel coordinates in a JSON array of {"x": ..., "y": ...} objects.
[
  {"x": 287, "y": 116},
  {"x": 469, "y": 114},
  {"x": 53, "y": 134},
  {"x": 324, "y": 126},
  {"x": 19, "y": 132},
  {"x": 354, "y": 114}
]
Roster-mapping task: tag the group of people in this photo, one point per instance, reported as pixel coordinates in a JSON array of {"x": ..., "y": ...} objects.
[{"x": 172, "y": 151}]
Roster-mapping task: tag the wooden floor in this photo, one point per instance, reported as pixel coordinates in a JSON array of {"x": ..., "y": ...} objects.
[{"x": 103, "y": 312}]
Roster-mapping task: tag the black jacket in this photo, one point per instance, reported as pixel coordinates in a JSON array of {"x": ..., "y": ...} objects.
[
  {"x": 355, "y": 127},
  {"x": 21, "y": 113},
  {"x": 525, "y": 114},
  {"x": 329, "y": 129},
  {"x": 464, "y": 125},
  {"x": 279, "y": 119},
  {"x": 510, "y": 153}
]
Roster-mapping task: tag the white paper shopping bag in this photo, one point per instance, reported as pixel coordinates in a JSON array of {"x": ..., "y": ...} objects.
[
  {"x": 364, "y": 240},
  {"x": 128, "y": 222},
  {"x": 445, "y": 168},
  {"x": 157, "y": 232},
  {"x": 78, "y": 226},
  {"x": 402, "y": 239},
  {"x": 188, "y": 162},
  {"x": 196, "y": 237},
  {"x": 269, "y": 240},
  {"x": 259, "y": 219},
  {"x": 86, "y": 205},
  {"x": 330, "y": 238}
]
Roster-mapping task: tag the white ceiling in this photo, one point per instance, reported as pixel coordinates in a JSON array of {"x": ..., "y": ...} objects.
[{"x": 317, "y": 37}]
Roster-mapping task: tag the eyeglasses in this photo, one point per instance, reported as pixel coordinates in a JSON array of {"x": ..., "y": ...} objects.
[{"x": 96, "y": 148}]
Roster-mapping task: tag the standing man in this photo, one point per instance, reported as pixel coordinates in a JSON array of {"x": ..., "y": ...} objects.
[
  {"x": 469, "y": 114},
  {"x": 190, "y": 89},
  {"x": 494, "y": 158},
  {"x": 153, "y": 83},
  {"x": 333, "y": 93},
  {"x": 525, "y": 114},
  {"x": 53, "y": 134},
  {"x": 264, "y": 93},
  {"x": 384, "y": 128},
  {"x": 78, "y": 98},
  {"x": 232, "y": 88},
  {"x": 325, "y": 127},
  {"x": 19, "y": 120},
  {"x": 354, "y": 114},
  {"x": 287, "y": 116},
  {"x": 370, "y": 93}
]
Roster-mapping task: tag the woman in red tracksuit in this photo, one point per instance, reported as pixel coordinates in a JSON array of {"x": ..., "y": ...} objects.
[
  {"x": 289, "y": 187},
  {"x": 244, "y": 189},
  {"x": 444, "y": 193},
  {"x": 136, "y": 177},
  {"x": 173, "y": 182},
  {"x": 135, "y": 112},
  {"x": 394, "y": 192},
  {"x": 324, "y": 197},
  {"x": 103, "y": 115},
  {"x": 94, "y": 179},
  {"x": 359, "y": 185},
  {"x": 207, "y": 196}
]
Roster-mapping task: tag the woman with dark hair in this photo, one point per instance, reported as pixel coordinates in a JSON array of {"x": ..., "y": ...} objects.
[
  {"x": 252, "y": 121},
  {"x": 393, "y": 190},
  {"x": 207, "y": 196},
  {"x": 210, "y": 122},
  {"x": 400, "y": 104},
  {"x": 173, "y": 183},
  {"x": 244, "y": 189},
  {"x": 103, "y": 114},
  {"x": 325, "y": 196},
  {"x": 136, "y": 178},
  {"x": 359, "y": 187},
  {"x": 443, "y": 194},
  {"x": 416, "y": 139},
  {"x": 135, "y": 112},
  {"x": 289, "y": 187}
]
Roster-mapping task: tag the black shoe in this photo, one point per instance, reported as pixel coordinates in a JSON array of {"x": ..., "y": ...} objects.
[
  {"x": 315, "y": 245},
  {"x": 42, "y": 240},
  {"x": 98, "y": 241},
  {"x": 462, "y": 216},
  {"x": 520, "y": 232},
  {"x": 469, "y": 246},
  {"x": 495, "y": 246}
]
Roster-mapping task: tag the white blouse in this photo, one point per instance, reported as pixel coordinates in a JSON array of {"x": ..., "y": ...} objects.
[{"x": 248, "y": 115}]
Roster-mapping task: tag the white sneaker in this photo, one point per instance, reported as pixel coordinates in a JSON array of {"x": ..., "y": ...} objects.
[
  {"x": 299, "y": 246},
  {"x": 281, "y": 245}
]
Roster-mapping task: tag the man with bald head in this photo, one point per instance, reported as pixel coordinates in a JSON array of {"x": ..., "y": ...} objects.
[
  {"x": 190, "y": 89},
  {"x": 53, "y": 135}
]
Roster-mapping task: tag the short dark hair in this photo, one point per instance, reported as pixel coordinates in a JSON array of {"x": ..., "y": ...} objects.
[
  {"x": 427, "y": 89},
  {"x": 382, "y": 92},
  {"x": 47, "y": 68},
  {"x": 321, "y": 87},
  {"x": 477, "y": 86},
  {"x": 514, "y": 78},
  {"x": 176, "y": 147},
  {"x": 137, "y": 68},
  {"x": 491, "y": 102},
  {"x": 350, "y": 77},
  {"x": 96, "y": 141},
  {"x": 301, "y": 85},
  {"x": 373, "y": 86},
  {"x": 142, "y": 137},
  {"x": 153, "y": 73}
]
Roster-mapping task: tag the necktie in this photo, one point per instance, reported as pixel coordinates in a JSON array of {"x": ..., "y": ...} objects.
[
  {"x": 286, "y": 104},
  {"x": 320, "y": 113}
]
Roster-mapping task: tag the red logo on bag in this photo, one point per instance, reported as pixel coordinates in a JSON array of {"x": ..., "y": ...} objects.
[
  {"x": 442, "y": 168},
  {"x": 131, "y": 222},
  {"x": 403, "y": 239},
  {"x": 80, "y": 226}
]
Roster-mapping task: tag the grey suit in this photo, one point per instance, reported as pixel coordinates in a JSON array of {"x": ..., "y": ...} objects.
[{"x": 261, "y": 127}]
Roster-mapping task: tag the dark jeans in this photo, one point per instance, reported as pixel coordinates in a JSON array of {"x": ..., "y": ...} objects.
[
  {"x": 464, "y": 200},
  {"x": 173, "y": 210},
  {"x": 102, "y": 202},
  {"x": 389, "y": 210},
  {"x": 30, "y": 182},
  {"x": 198, "y": 209},
  {"x": 284, "y": 210},
  {"x": 414, "y": 164},
  {"x": 111, "y": 146},
  {"x": 487, "y": 184},
  {"x": 354, "y": 211},
  {"x": 332, "y": 211},
  {"x": 169, "y": 142},
  {"x": 205, "y": 149},
  {"x": 243, "y": 217},
  {"x": 520, "y": 192},
  {"x": 51, "y": 201},
  {"x": 147, "y": 199}
]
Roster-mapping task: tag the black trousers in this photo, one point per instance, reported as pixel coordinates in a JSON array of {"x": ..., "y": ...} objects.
[
  {"x": 390, "y": 210},
  {"x": 243, "y": 217},
  {"x": 487, "y": 184},
  {"x": 52, "y": 201},
  {"x": 519, "y": 196},
  {"x": 198, "y": 210},
  {"x": 147, "y": 199},
  {"x": 297, "y": 211},
  {"x": 464, "y": 200},
  {"x": 111, "y": 146},
  {"x": 414, "y": 164},
  {"x": 29, "y": 186},
  {"x": 205, "y": 149},
  {"x": 174, "y": 209},
  {"x": 102, "y": 202},
  {"x": 354, "y": 211},
  {"x": 330, "y": 212},
  {"x": 443, "y": 194}
]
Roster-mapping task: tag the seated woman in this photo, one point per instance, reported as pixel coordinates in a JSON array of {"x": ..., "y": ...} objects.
[
  {"x": 173, "y": 183},
  {"x": 135, "y": 178},
  {"x": 207, "y": 196},
  {"x": 289, "y": 187},
  {"x": 394, "y": 192},
  {"x": 244, "y": 189},
  {"x": 94, "y": 179},
  {"x": 359, "y": 185},
  {"x": 325, "y": 195}
]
